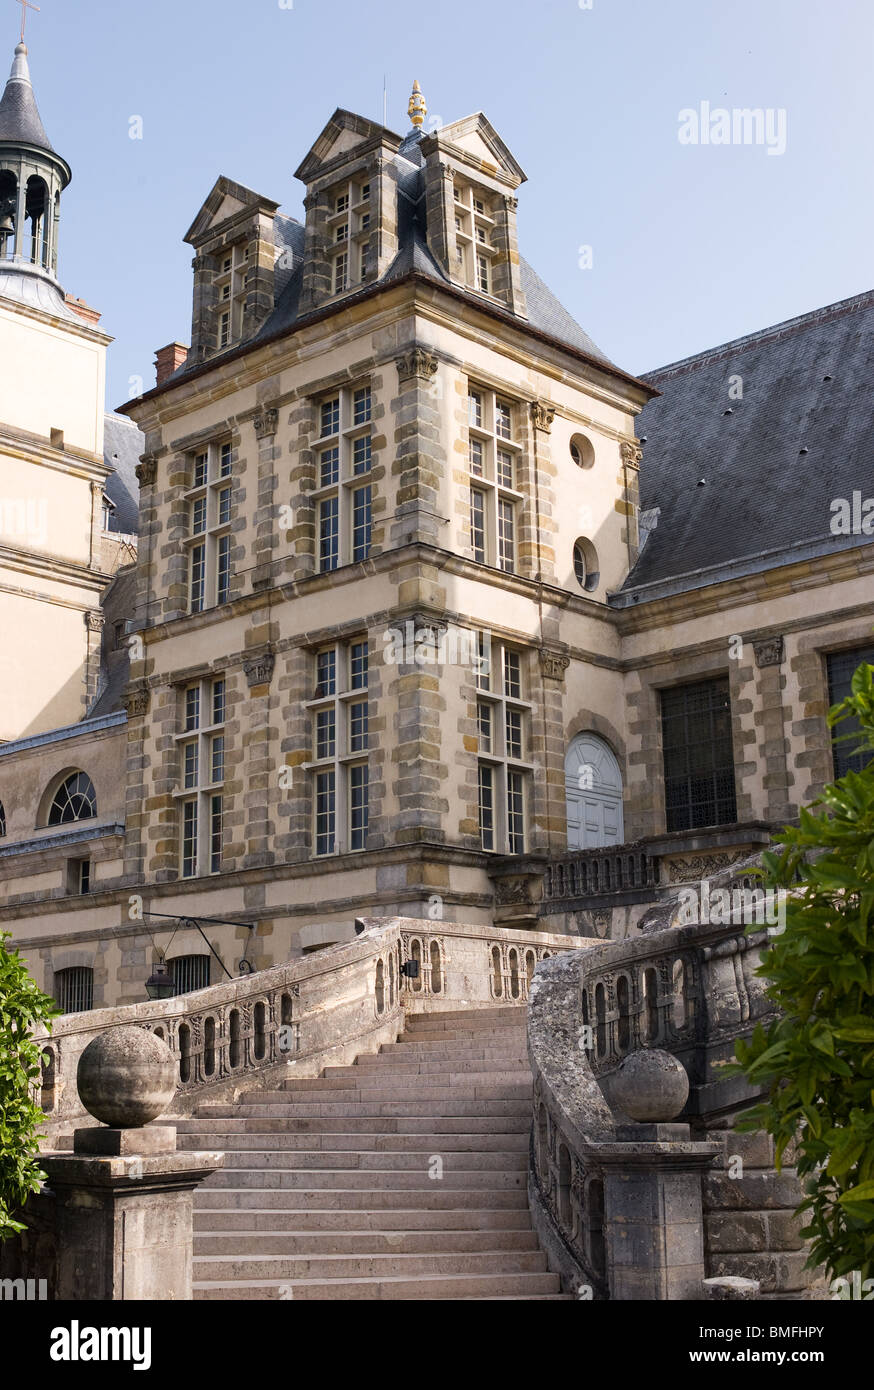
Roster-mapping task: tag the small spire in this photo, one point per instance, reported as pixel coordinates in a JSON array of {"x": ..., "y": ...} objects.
[{"x": 416, "y": 110}]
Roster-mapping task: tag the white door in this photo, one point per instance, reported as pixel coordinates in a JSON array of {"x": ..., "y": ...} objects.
[{"x": 593, "y": 785}]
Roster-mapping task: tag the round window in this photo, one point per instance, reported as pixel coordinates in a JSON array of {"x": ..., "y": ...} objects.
[
  {"x": 582, "y": 451},
  {"x": 586, "y": 565}
]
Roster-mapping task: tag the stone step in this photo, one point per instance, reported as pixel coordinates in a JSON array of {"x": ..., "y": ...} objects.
[
  {"x": 247, "y": 1269},
  {"x": 410, "y": 1051},
  {"x": 438, "y": 1197},
  {"x": 385, "y": 1089},
  {"x": 415, "y": 1161},
  {"x": 455, "y": 1106},
  {"x": 471, "y": 1126},
  {"x": 473, "y": 1018},
  {"x": 399, "y": 1079},
  {"x": 356, "y": 1242},
  {"x": 429, "y": 1067},
  {"x": 380, "y": 1078},
  {"x": 394, "y": 1220},
  {"x": 473, "y": 1037},
  {"x": 385, "y": 1289},
  {"x": 372, "y": 1179},
  {"x": 233, "y": 1141}
]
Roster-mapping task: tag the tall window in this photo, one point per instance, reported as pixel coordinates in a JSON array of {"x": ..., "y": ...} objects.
[
  {"x": 493, "y": 463},
  {"x": 474, "y": 233},
  {"x": 230, "y": 294},
  {"x": 344, "y": 495},
  {"x": 74, "y": 800},
  {"x": 209, "y": 527},
  {"x": 201, "y": 749},
  {"x": 340, "y": 715},
  {"x": 349, "y": 234},
  {"x": 503, "y": 716},
  {"x": 840, "y": 667},
  {"x": 74, "y": 989},
  {"x": 698, "y": 755}
]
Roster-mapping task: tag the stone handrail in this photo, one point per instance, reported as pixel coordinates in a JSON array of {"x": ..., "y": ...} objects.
[
  {"x": 314, "y": 1011},
  {"x": 689, "y": 991},
  {"x": 598, "y": 872}
]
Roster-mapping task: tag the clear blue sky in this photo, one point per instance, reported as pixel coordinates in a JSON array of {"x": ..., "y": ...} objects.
[{"x": 691, "y": 245}]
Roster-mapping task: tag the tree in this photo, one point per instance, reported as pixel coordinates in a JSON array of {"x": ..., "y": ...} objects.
[
  {"x": 22, "y": 1006},
  {"x": 816, "y": 1060}
]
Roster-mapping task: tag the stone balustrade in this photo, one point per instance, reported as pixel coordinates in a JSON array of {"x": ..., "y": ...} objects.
[
  {"x": 689, "y": 991},
  {"x": 315, "y": 1011}
]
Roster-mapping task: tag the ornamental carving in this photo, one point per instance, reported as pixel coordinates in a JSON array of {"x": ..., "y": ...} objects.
[
  {"x": 94, "y": 620},
  {"x": 136, "y": 703},
  {"x": 553, "y": 664},
  {"x": 542, "y": 415},
  {"x": 512, "y": 890},
  {"x": 147, "y": 470},
  {"x": 259, "y": 669},
  {"x": 418, "y": 362},
  {"x": 699, "y": 866},
  {"x": 769, "y": 652},
  {"x": 631, "y": 452},
  {"x": 266, "y": 422}
]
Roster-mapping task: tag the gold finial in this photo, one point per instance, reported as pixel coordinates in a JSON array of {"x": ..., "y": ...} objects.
[{"x": 417, "y": 109}]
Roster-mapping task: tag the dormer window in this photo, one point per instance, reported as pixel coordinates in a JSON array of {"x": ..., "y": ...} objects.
[
  {"x": 349, "y": 227},
  {"x": 230, "y": 290},
  {"x": 474, "y": 251}
]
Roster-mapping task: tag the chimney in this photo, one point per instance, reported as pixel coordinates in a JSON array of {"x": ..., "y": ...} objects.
[
  {"x": 168, "y": 359},
  {"x": 82, "y": 309}
]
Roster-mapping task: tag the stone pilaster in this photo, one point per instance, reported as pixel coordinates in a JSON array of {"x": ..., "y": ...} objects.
[
  {"x": 549, "y": 819},
  {"x": 258, "y": 739},
  {"x": 540, "y": 540},
  {"x": 506, "y": 270},
  {"x": 294, "y": 795},
  {"x": 265, "y": 521},
  {"x": 770, "y": 719},
  {"x": 420, "y": 455}
]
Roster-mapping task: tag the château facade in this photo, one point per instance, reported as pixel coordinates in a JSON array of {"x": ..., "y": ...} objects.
[{"x": 424, "y": 621}]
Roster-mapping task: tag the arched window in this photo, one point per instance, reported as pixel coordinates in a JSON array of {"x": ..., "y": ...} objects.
[
  {"x": 74, "y": 800},
  {"x": 8, "y": 208},
  {"x": 2, "y": 820}
]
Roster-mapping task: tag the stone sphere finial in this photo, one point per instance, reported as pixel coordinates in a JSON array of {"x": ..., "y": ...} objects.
[
  {"x": 126, "y": 1077},
  {"x": 650, "y": 1086}
]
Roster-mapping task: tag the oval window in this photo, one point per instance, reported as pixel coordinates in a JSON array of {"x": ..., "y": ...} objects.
[
  {"x": 582, "y": 451},
  {"x": 586, "y": 565}
]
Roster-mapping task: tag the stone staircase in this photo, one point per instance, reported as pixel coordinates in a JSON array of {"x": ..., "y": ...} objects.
[{"x": 401, "y": 1177}]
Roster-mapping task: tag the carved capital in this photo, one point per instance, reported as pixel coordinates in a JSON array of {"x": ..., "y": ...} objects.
[
  {"x": 94, "y": 620},
  {"x": 418, "y": 362},
  {"x": 553, "y": 664},
  {"x": 631, "y": 452},
  {"x": 769, "y": 651},
  {"x": 147, "y": 470},
  {"x": 510, "y": 202},
  {"x": 542, "y": 415},
  {"x": 266, "y": 422},
  {"x": 136, "y": 703},
  {"x": 259, "y": 669}
]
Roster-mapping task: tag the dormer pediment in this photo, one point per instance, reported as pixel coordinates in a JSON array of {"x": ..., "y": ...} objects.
[
  {"x": 226, "y": 201},
  {"x": 343, "y": 133},
  {"x": 475, "y": 144}
]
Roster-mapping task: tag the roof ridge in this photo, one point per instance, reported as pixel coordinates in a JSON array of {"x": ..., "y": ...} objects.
[{"x": 774, "y": 333}]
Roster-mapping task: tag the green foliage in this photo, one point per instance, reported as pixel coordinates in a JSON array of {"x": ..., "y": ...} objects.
[
  {"x": 22, "y": 1005},
  {"x": 816, "y": 1062}
]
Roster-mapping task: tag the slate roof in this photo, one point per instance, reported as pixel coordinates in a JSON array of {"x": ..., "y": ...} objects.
[
  {"x": 123, "y": 444},
  {"x": 545, "y": 313},
  {"x": 20, "y": 121},
  {"x": 773, "y": 461}
]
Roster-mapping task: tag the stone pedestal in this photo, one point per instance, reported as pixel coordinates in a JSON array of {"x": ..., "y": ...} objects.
[
  {"x": 123, "y": 1223},
  {"x": 652, "y": 1212}
]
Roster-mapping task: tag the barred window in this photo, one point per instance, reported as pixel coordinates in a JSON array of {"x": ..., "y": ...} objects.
[
  {"x": 840, "y": 667},
  {"x": 698, "y": 755},
  {"x": 190, "y": 972},
  {"x": 74, "y": 989}
]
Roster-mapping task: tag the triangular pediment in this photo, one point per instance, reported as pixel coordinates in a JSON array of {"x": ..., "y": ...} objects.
[
  {"x": 227, "y": 199},
  {"x": 475, "y": 141},
  {"x": 343, "y": 133}
]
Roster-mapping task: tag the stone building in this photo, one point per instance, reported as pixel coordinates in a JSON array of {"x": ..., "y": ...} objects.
[{"x": 426, "y": 622}]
